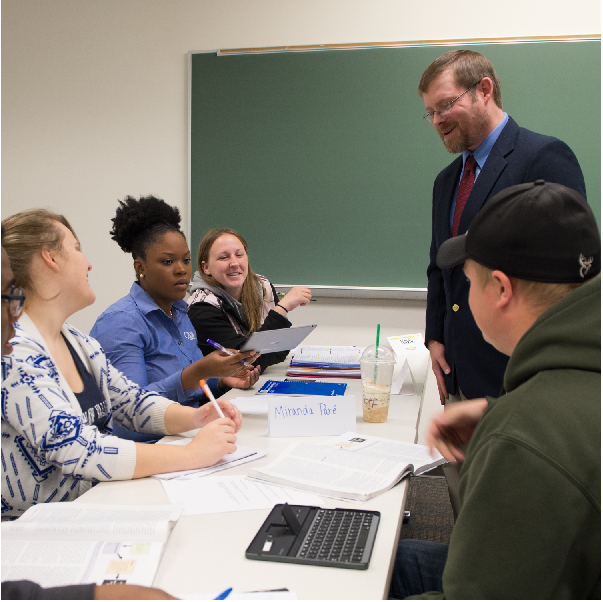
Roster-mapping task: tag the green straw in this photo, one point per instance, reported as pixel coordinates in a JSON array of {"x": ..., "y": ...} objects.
[{"x": 377, "y": 351}]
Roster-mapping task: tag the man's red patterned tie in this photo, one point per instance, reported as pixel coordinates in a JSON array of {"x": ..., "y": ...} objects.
[{"x": 463, "y": 192}]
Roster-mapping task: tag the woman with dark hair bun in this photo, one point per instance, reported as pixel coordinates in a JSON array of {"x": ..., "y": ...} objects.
[{"x": 147, "y": 334}]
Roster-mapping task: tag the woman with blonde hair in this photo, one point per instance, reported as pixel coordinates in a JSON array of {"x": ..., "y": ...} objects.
[
  {"x": 61, "y": 395},
  {"x": 229, "y": 301}
]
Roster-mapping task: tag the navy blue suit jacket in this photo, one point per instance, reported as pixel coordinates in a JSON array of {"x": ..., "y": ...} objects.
[{"x": 518, "y": 156}]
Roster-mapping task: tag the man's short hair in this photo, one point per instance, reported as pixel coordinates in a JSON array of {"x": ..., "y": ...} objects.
[
  {"x": 469, "y": 67},
  {"x": 539, "y": 295}
]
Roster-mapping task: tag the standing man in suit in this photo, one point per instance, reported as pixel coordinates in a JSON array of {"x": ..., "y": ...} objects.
[{"x": 463, "y": 100}]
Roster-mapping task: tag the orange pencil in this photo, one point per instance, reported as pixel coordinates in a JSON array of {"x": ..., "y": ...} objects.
[{"x": 210, "y": 395}]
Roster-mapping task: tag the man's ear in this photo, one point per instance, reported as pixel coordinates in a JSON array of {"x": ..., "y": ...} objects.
[
  {"x": 504, "y": 288},
  {"x": 485, "y": 89}
]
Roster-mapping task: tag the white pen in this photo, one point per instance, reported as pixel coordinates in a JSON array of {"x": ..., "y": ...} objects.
[
  {"x": 218, "y": 346},
  {"x": 212, "y": 398}
]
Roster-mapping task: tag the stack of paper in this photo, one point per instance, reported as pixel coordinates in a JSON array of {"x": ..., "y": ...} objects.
[
  {"x": 210, "y": 495},
  {"x": 71, "y": 543},
  {"x": 326, "y": 362}
]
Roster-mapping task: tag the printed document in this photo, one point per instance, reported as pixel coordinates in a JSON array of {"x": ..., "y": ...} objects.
[
  {"x": 229, "y": 494},
  {"x": 327, "y": 354},
  {"x": 242, "y": 455},
  {"x": 71, "y": 543}
]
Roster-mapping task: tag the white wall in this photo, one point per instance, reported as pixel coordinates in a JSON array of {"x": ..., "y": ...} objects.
[{"x": 94, "y": 105}]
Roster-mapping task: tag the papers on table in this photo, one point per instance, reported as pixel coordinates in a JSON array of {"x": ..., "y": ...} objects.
[
  {"x": 242, "y": 455},
  {"x": 329, "y": 355},
  {"x": 71, "y": 543},
  {"x": 271, "y": 594},
  {"x": 229, "y": 494},
  {"x": 326, "y": 361},
  {"x": 250, "y": 405}
]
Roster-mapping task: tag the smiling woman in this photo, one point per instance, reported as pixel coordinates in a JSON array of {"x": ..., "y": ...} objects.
[
  {"x": 147, "y": 334},
  {"x": 229, "y": 301}
]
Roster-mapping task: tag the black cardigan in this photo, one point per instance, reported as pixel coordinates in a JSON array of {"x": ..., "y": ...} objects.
[{"x": 212, "y": 323}]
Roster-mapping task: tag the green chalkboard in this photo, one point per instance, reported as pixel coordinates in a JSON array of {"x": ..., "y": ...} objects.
[{"x": 322, "y": 161}]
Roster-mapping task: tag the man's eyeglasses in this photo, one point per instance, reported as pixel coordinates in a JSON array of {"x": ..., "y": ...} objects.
[
  {"x": 444, "y": 109},
  {"x": 16, "y": 300}
]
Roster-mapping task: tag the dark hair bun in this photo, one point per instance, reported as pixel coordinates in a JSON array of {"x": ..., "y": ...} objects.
[{"x": 138, "y": 219}]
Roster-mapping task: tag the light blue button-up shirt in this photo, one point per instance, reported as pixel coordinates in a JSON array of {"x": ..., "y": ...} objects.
[
  {"x": 151, "y": 349},
  {"x": 481, "y": 154}
]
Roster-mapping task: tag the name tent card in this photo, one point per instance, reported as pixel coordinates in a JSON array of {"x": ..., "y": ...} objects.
[
  {"x": 403, "y": 346},
  {"x": 311, "y": 416},
  {"x": 407, "y": 344}
]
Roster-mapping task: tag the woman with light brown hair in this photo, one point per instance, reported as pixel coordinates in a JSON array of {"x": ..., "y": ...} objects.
[
  {"x": 61, "y": 395},
  {"x": 229, "y": 301}
]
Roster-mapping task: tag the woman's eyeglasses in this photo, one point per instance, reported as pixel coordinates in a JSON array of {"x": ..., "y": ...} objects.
[{"x": 16, "y": 300}]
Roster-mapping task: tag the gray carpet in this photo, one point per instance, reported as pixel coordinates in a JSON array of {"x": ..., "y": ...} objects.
[{"x": 431, "y": 515}]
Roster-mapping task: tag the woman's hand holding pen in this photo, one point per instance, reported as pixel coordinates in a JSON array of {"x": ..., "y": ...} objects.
[
  {"x": 207, "y": 414},
  {"x": 216, "y": 364},
  {"x": 298, "y": 295},
  {"x": 217, "y": 436},
  {"x": 212, "y": 442}
]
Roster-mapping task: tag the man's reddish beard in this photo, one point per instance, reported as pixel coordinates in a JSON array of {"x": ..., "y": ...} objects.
[{"x": 471, "y": 134}]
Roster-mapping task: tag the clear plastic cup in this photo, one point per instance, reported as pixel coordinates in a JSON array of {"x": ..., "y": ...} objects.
[{"x": 376, "y": 368}]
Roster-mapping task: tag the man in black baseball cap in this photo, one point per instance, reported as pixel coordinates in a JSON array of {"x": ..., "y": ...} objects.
[{"x": 529, "y": 524}]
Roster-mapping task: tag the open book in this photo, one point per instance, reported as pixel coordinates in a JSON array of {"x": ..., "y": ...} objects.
[
  {"x": 349, "y": 467},
  {"x": 77, "y": 543}
]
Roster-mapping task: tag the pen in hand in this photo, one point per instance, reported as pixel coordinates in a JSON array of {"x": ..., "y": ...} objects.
[
  {"x": 208, "y": 392},
  {"x": 218, "y": 346}
]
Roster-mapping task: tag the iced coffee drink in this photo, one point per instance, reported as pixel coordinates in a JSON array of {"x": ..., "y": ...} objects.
[
  {"x": 375, "y": 402},
  {"x": 376, "y": 366}
]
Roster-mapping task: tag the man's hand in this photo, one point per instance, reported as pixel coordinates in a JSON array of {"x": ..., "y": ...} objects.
[
  {"x": 440, "y": 366},
  {"x": 451, "y": 430}
]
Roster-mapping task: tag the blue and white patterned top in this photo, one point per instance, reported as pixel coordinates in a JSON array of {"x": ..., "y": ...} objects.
[{"x": 49, "y": 451}]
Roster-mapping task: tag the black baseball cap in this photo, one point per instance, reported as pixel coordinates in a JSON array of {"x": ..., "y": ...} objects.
[{"x": 542, "y": 232}]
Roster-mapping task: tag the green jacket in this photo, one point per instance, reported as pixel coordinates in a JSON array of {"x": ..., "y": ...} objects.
[{"x": 530, "y": 519}]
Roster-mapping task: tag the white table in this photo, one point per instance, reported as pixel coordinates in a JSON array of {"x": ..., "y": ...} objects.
[{"x": 206, "y": 553}]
